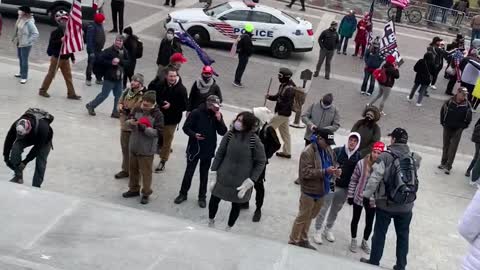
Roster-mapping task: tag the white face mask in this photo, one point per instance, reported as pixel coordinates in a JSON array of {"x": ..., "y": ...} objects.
[
  {"x": 169, "y": 36},
  {"x": 238, "y": 126},
  {"x": 20, "y": 13}
]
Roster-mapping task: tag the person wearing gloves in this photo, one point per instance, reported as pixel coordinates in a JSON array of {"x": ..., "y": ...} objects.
[
  {"x": 346, "y": 30},
  {"x": 368, "y": 129},
  {"x": 202, "y": 88},
  {"x": 169, "y": 45},
  {"x": 328, "y": 41},
  {"x": 202, "y": 126},
  {"x": 322, "y": 114},
  {"x": 95, "y": 41},
  {"x": 392, "y": 73},
  {"x": 238, "y": 164},
  {"x": 26, "y": 34},
  {"x": 386, "y": 209},
  {"x": 146, "y": 123},
  {"x": 469, "y": 229},
  {"x": 283, "y": 109},
  {"x": 31, "y": 129},
  {"x": 347, "y": 157},
  {"x": 317, "y": 171},
  {"x": 355, "y": 197},
  {"x": 130, "y": 99},
  {"x": 271, "y": 144}
]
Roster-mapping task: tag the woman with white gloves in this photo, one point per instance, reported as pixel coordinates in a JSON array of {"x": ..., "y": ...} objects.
[
  {"x": 238, "y": 163},
  {"x": 469, "y": 228}
]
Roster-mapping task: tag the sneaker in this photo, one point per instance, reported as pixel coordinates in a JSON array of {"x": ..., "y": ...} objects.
[
  {"x": 368, "y": 94},
  {"x": 315, "y": 74},
  {"x": 329, "y": 235},
  {"x": 131, "y": 194},
  {"x": 100, "y": 82},
  {"x": 288, "y": 6},
  {"x": 180, "y": 198},
  {"x": 447, "y": 171},
  {"x": 433, "y": 87},
  {"x": 408, "y": 98},
  {"x": 122, "y": 174},
  {"x": 283, "y": 155},
  {"x": 90, "y": 110},
  {"x": 306, "y": 244},
  {"x": 43, "y": 94},
  {"x": 363, "y": 93},
  {"x": 202, "y": 203},
  {"x": 166, "y": 4},
  {"x": 318, "y": 237},
  {"x": 257, "y": 215},
  {"x": 144, "y": 200},
  {"x": 211, "y": 222},
  {"x": 113, "y": 31},
  {"x": 365, "y": 246},
  {"x": 302, "y": 9},
  {"x": 467, "y": 173},
  {"x": 353, "y": 246},
  {"x": 88, "y": 83},
  {"x": 115, "y": 115},
  {"x": 344, "y": 53},
  {"x": 17, "y": 75},
  {"x": 338, "y": 52},
  {"x": 418, "y": 104},
  {"x": 327, "y": 78},
  {"x": 239, "y": 85},
  {"x": 365, "y": 260},
  {"x": 23, "y": 81},
  {"x": 160, "y": 167},
  {"x": 426, "y": 95},
  {"x": 74, "y": 97},
  {"x": 441, "y": 167}
]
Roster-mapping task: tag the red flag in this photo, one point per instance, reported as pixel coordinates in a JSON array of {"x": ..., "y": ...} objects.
[{"x": 73, "y": 38}]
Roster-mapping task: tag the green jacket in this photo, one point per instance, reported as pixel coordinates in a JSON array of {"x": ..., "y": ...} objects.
[{"x": 347, "y": 26}]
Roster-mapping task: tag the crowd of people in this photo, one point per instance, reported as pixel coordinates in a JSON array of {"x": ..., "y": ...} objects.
[{"x": 365, "y": 173}]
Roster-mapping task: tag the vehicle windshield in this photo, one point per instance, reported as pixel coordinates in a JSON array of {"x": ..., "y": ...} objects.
[
  {"x": 293, "y": 19},
  {"x": 217, "y": 9}
]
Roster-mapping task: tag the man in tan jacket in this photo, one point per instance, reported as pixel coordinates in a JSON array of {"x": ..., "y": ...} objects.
[
  {"x": 317, "y": 172},
  {"x": 130, "y": 99}
]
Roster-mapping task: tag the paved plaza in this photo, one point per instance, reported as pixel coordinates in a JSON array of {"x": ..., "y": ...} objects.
[{"x": 87, "y": 154}]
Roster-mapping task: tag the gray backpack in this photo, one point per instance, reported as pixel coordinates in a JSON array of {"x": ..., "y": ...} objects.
[{"x": 39, "y": 114}]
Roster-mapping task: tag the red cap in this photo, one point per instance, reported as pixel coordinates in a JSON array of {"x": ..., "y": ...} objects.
[
  {"x": 207, "y": 70},
  {"x": 390, "y": 59},
  {"x": 99, "y": 18},
  {"x": 144, "y": 121},
  {"x": 178, "y": 57},
  {"x": 379, "y": 146}
]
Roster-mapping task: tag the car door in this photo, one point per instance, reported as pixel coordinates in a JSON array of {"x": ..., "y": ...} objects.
[
  {"x": 231, "y": 24},
  {"x": 18, "y": 3},
  {"x": 266, "y": 27}
]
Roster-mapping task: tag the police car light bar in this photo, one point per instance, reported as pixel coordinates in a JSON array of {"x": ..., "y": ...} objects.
[{"x": 249, "y": 3}]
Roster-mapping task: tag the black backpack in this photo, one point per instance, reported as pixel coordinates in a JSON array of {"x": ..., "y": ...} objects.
[
  {"x": 401, "y": 184},
  {"x": 39, "y": 114},
  {"x": 270, "y": 141}
]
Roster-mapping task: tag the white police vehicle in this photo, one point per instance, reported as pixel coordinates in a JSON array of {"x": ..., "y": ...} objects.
[
  {"x": 274, "y": 29},
  {"x": 51, "y": 7}
]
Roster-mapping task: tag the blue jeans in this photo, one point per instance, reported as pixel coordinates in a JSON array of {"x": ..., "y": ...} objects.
[
  {"x": 115, "y": 86},
  {"x": 475, "y": 35},
  {"x": 368, "y": 76},
  {"x": 402, "y": 229},
  {"x": 421, "y": 92},
  {"x": 23, "y": 53}
]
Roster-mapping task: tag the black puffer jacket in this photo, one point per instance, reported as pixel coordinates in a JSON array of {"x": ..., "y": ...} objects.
[
  {"x": 284, "y": 98},
  {"x": 453, "y": 115}
]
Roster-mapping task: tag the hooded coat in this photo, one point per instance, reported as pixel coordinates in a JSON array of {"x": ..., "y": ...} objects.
[
  {"x": 321, "y": 116},
  {"x": 469, "y": 228},
  {"x": 347, "y": 160},
  {"x": 369, "y": 131},
  {"x": 26, "y": 32},
  {"x": 167, "y": 49}
]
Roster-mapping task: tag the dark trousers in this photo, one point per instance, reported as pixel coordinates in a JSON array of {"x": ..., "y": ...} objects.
[
  {"x": 190, "y": 170},
  {"x": 435, "y": 76},
  {"x": 421, "y": 92},
  {"x": 213, "y": 208},
  {"x": 117, "y": 11},
  {"x": 451, "y": 83},
  {"x": 40, "y": 161},
  {"x": 325, "y": 55},
  {"x": 90, "y": 64},
  {"x": 451, "y": 139},
  {"x": 359, "y": 49},
  {"x": 368, "y": 78},
  {"x": 167, "y": 2},
  {"x": 369, "y": 216},
  {"x": 344, "y": 41},
  {"x": 402, "y": 229},
  {"x": 242, "y": 65},
  {"x": 475, "y": 157},
  {"x": 302, "y": 2},
  {"x": 259, "y": 191}
]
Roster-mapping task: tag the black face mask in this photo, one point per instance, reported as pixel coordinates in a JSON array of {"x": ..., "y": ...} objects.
[
  {"x": 283, "y": 79},
  {"x": 206, "y": 78}
]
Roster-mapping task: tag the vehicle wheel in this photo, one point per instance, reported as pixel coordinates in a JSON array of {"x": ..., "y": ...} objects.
[
  {"x": 414, "y": 16},
  {"x": 392, "y": 12},
  {"x": 61, "y": 10},
  {"x": 200, "y": 35},
  {"x": 282, "y": 48}
]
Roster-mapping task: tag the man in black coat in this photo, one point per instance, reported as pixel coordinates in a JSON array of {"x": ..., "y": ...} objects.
[
  {"x": 245, "y": 50},
  {"x": 168, "y": 46},
  {"x": 31, "y": 129},
  {"x": 202, "y": 88},
  {"x": 114, "y": 60},
  {"x": 202, "y": 127},
  {"x": 58, "y": 61},
  {"x": 328, "y": 41}
]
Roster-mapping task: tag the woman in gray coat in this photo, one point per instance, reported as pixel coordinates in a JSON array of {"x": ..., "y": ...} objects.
[
  {"x": 26, "y": 34},
  {"x": 239, "y": 161}
]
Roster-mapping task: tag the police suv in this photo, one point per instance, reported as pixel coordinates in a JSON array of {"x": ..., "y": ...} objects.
[
  {"x": 273, "y": 29},
  {"x": 51, "y": 7}
]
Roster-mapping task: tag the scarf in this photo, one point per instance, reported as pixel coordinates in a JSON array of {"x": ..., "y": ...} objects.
[{"x": 204, "y": 87}]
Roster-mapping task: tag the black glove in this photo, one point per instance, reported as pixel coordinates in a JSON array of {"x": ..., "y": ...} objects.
[
  {"x": 350, "y": 201},
  {"x": 366, "y": 202},
  {"x": 141, "y": 128}
]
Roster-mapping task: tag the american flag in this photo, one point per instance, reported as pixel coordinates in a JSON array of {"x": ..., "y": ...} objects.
[
  {"x": 73, "y": 37},
  {"x": 457, "y": 58},
  {"x": 224, "y": 28}
]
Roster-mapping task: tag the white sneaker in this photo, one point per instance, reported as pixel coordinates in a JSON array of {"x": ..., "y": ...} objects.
[
  {"x": 353, "y": 246},
  {"x": 433, "y": 87},
  {"x": 365, "y": 247},
  {"x": 329, "y": 235},
  {"x": 318, "y": 237},
  {"x": 23, "y": 81},
  {"x": 17, "y": 75},
  {"x": 368, "y": 94},
  {"x": 408, "y": 98},
  {"x": 418, "y": 104}
]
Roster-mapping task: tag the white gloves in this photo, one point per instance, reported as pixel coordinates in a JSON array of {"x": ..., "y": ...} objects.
[
  {"x": 246, "y": 185},
  {"x": 212, "y": 180}
]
